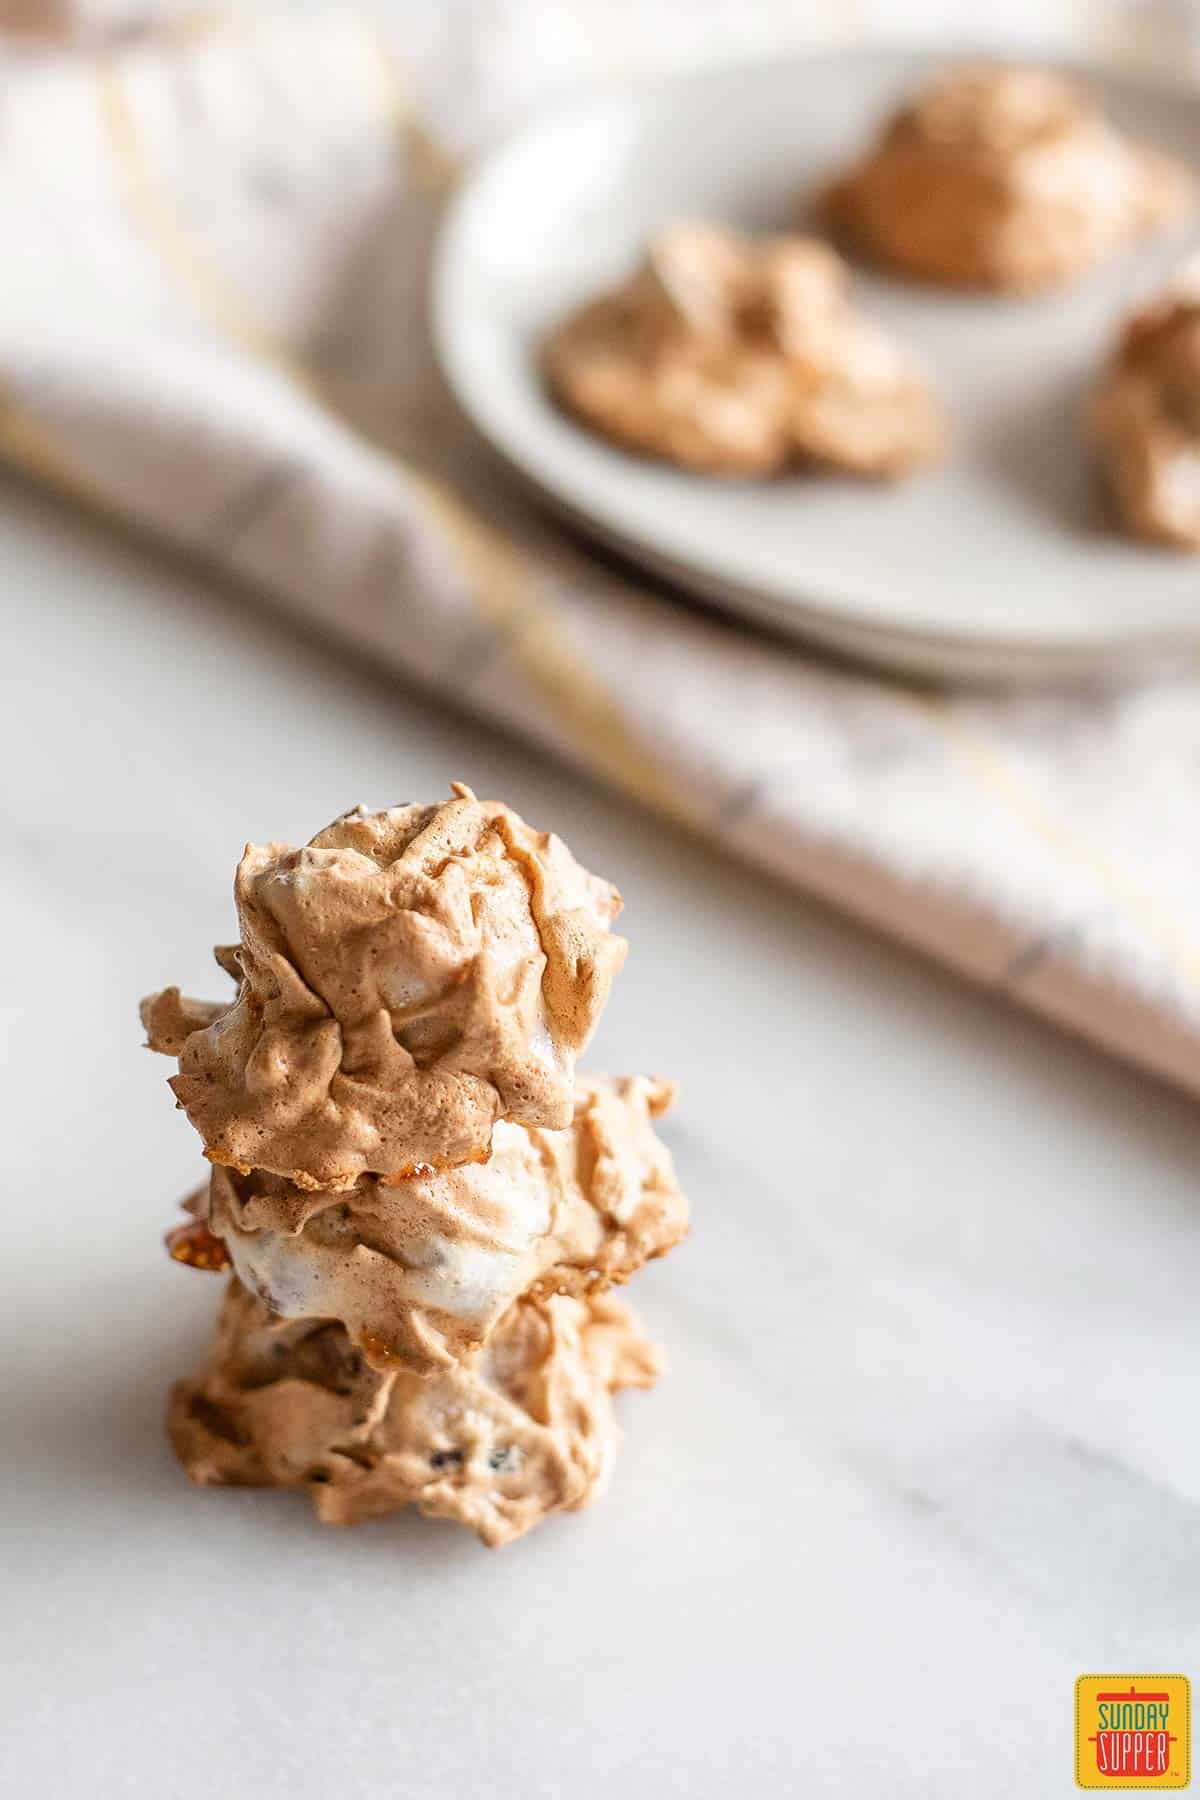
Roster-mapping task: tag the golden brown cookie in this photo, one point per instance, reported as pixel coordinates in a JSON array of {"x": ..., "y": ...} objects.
[
  {"x": 406, "y": 979},
  {"x": 1002, "y": 177},
  {"x": 420, "y": 1271},
  {"x": 740, "y": 357},
  {"x": 1145, "y": 417},
  {"x": 524, "y": 1429}
]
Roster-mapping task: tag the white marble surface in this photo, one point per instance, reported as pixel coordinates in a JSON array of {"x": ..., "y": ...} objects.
[{"x": 928, "y": 1447}]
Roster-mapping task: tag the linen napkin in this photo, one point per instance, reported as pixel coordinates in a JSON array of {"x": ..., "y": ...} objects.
[{"x": 212, "y": 324}]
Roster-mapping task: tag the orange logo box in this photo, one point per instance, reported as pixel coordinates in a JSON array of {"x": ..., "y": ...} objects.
[{"x": 1133, "y": 1731}]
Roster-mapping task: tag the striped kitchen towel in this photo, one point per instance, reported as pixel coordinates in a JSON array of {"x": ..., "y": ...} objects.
[{"x": 212, "y": 324}]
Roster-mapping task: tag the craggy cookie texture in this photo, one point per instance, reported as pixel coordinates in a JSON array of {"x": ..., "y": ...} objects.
[
  {"x": 423, "y": 1205},
  {"x": 1145, "y": 417},
  {"x": 740, "y": 357},
  {"x": 407, "y": 979},
  {"x": 1002, "y": 178},
  {"x": 524, "y": 1429},
  {"x": 419, "y": 1272}
]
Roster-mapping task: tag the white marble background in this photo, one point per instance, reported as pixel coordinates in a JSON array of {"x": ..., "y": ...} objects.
[{"x": 927, "y": 1450}]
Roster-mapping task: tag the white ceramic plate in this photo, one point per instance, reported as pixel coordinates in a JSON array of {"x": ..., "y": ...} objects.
[{"x": 1001, "y": 562}]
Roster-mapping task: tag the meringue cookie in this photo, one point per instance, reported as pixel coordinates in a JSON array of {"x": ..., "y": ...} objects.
[
  {"x": 1145, "y": 417},
  {"x": 524, "y": 1429},
  {"x": 741, "y": 356},
  {"x": 407, "y": 979},
  {"x": 419, "y": 1272},
  {"x": 1002, "y": 177}
]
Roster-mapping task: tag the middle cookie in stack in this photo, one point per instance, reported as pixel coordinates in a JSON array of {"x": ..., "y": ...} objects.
[{"x": 421, "y": 1271}]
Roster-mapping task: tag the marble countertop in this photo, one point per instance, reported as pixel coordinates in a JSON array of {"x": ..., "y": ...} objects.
[{"x": 927, "y": 1449}]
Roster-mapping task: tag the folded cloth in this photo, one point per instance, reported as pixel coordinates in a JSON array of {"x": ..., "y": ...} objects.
[{"x": 212, "y": 324}]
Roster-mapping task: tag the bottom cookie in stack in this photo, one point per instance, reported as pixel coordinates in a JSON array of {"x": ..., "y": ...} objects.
[{"x": 524, "y": 1428}]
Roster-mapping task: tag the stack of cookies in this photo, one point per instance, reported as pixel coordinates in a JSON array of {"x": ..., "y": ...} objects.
[{"x": 424, "y": 1208}]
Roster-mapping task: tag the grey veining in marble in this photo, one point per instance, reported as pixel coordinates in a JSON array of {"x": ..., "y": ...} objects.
[{"x": 927, "y": 1450}]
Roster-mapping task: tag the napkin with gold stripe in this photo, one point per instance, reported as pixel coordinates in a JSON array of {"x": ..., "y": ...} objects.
[{"x": 212, "y": 324}]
